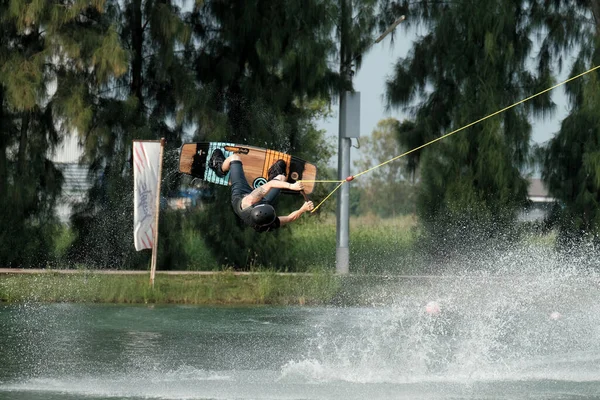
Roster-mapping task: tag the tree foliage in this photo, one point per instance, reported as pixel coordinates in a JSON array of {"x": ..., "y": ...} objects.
[
  {"x": 388, "y": 189},
  {"x": 133, "y": 94},
  {"x": 472, "y": 61},
  {"x": 112, "y": 71},
  {"x": 571, "y": 160},
  {"x": 262, "y": 72},
  {"x": 42, "y": 46},
  {"x": 260, "y": 65}
]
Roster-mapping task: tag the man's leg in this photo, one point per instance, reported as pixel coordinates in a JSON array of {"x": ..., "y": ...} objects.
[
  {"x": 220, "y": 164},
  {"x": 239, "y": 184},
  {"x": 233, "y": 164},
  {"x": 276, "y": 172},
  {"x": 227, "y": 163},
  {"x": 271, "y": 197}
]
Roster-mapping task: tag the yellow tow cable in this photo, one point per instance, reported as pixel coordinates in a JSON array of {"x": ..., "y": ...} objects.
[{"x": 351, "y": 177}]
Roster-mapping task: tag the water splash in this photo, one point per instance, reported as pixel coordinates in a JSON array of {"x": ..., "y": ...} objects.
[
  {"x": 497, "y": 321},
  {"x": 494, "y": 337}
]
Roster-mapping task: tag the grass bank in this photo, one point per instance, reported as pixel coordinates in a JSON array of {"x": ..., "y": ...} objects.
[
  {"x": 218, "y": 288},
  {"x": 376, "y": 246}
]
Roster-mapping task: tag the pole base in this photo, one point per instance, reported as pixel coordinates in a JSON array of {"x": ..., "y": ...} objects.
[{"x": 342, "y": 260}]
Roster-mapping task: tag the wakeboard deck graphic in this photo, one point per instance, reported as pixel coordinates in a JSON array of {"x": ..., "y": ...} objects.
[{"x": 193, "y": 160}]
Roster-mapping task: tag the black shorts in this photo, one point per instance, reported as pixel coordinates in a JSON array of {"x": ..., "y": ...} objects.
[
  {"x": 239, "y": 184},
  {"x": 240, "y": 187}
]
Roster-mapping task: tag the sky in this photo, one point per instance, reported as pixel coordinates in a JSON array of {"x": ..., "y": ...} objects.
[{"x": 378, "y": 65}]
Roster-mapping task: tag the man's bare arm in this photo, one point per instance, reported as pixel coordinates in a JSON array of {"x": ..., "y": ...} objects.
[
  {"x": 307, "y": 206},
  {"x": 257, "y": 194}
]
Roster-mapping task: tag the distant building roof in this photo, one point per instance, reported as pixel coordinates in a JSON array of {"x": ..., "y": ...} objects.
[
  {"x": 69, "y": 151},
  {"x": 66, "y": 158},
  {"x": 538, "y": 192}
]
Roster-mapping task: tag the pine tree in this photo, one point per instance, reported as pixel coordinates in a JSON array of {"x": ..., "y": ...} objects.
[
  {"x": 472, "y": 62},
  {"x": 389, "y": 190},
  {"x": 571, "y": 160},
  {"x": 264, "y": 71},
  {"x": 149, "y": 43},
  {"x": 40, "y": 44}
]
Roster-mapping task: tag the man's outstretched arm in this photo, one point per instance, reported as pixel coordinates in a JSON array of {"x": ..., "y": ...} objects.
[
  {"x": 257, "y": 194},
  {"x": 307, "y": 206}
]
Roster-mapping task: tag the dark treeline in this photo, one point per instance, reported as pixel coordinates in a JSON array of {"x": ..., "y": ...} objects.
[
  {"x": 262, "y": 72},
  {"x": 476, "y": 58}
]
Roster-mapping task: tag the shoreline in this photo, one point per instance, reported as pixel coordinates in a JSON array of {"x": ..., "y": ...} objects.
[
  {"x": 170, "y": 287},
  {"x": 350, "y": 275},
  {"x": 223, "y": 287},
  {"x": 135, "y": 272}
]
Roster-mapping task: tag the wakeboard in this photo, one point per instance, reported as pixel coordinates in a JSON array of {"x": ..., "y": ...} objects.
[{"x": 193, "y": 160}]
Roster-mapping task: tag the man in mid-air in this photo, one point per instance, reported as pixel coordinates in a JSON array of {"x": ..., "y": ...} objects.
[{"x": 254, "y": 207}]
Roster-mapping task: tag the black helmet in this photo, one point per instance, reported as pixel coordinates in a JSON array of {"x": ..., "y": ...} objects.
[{"x": 263, "y": 214}]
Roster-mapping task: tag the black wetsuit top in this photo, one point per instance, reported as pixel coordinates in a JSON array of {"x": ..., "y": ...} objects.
[{"x": 240, "y": 189}]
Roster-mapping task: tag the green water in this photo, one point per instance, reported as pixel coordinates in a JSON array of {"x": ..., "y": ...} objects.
[{"x": 491, "y": 340}]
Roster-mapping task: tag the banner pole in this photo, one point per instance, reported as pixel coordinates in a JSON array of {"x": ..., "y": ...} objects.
[{"x": 155, "y": 233}]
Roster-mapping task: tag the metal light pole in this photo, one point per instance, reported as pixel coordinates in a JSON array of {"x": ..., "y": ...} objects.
[
  {"x": 343, "y": 201},
  {"x": 345, "y": 137},
  {"x": 342, "y": 254}
]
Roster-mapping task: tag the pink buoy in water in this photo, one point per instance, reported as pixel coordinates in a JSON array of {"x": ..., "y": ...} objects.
[{"x": 432, "y": 308}]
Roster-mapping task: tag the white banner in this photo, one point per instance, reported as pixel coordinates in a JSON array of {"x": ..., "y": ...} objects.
[{"x": 146, "y": 176}]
